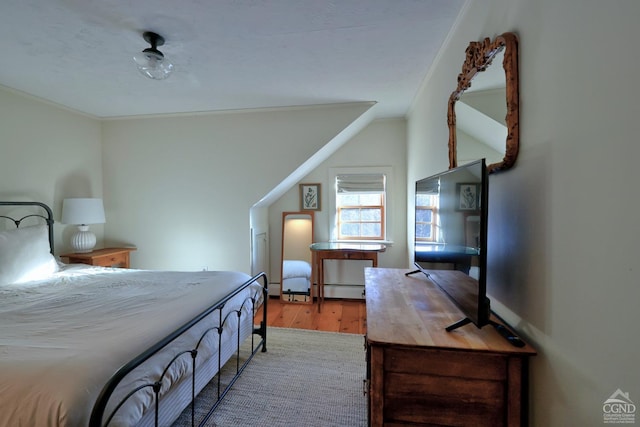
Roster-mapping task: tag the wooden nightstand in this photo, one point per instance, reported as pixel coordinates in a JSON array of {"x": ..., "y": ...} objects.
[{"x": 107, "y": 257}]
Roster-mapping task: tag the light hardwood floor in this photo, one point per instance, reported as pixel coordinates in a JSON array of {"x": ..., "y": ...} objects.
[{"x": 348, "y": 316}]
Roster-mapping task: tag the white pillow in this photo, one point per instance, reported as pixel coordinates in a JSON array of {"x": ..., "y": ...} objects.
[{"x": 25, "y": 255}]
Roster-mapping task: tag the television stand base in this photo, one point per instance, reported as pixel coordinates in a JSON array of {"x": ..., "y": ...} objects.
[
  {"x": 458, "y": 324},
  {"x": 512, "y": 338},
  {"x": 409, "y": 273}
]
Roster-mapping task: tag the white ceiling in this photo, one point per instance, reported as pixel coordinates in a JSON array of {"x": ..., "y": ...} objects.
[{"x": 228, "y": 54}]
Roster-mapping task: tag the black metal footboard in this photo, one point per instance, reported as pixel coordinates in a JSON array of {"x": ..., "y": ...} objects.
[{"x": 99, "y": 417}]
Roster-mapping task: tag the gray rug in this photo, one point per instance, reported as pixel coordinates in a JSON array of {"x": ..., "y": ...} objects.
[{"x": 306, "y": 378}]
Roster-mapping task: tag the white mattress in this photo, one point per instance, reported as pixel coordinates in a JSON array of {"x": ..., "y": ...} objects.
[{"x": 61, "y": 339}]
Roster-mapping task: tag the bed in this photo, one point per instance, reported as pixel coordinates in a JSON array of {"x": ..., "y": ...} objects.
[
  {"x": 296, "y": 278},
  {"x": 83, "y": 345}
]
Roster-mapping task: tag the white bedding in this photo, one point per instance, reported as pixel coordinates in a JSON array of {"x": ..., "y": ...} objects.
[
  {"x": 295, "y": 268},
  {"x": 296, "y": 276},
  {"x": 62, "y": 338}
]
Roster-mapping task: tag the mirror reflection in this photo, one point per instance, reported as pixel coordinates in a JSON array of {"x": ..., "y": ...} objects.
[
  {"x": 481, "y": 127},
  {"x": 296, "y": 271},
  {"x": 483, "y": 112}
]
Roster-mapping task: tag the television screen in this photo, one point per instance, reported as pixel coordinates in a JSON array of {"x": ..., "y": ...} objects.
[{"x": 451, "y": 237}]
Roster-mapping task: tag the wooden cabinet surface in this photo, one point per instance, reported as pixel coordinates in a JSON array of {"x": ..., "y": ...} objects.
[
  {"x": 108, "y": 257},
  {"x": 420, "y": 374}
]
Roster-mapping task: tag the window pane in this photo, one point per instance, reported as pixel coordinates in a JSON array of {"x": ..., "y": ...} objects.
[
  {"x": 347, "y": 199},
  {"x": 429, "y": 200},
  {"x": 424, "y": 215},
  {"x": 350, "y": 214},
  {"x": 423, "y": 200},
  {"x": 423, "y": 231},
  {"x": 350, "y": 229},
  {"x": 370, "y": 230},
  {"x": 370, "y": 199},
  {"x": 370, "y": 214}
]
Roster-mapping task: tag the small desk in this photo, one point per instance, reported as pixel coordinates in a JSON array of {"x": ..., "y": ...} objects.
[{"x": 341, "y": 251}]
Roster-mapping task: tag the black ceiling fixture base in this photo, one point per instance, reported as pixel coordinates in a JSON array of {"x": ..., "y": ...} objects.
[{"x": 153, "y": 39}]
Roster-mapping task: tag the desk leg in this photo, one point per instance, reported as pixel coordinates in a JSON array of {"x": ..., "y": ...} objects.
[
  {"x": 318, "y": 262},
  {"x": 320, "y": 282}
]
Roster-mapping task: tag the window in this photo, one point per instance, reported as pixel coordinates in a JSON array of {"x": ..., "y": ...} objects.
[
  {"x": 360, "y": 206},
  {"x": 426, "y": 217}
]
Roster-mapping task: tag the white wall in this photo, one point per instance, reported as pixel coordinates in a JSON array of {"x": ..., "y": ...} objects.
[
  {"x": 180, "y": 188},
  {"x": 381, "y": 143},
  {"x": 563, "y": 241},
  {"x": 48, "y": 154}
]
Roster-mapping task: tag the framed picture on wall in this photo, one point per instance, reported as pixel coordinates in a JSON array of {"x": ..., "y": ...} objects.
[
  {"x": 467, "y": 196},
  {"x": 309, "y": 197}
]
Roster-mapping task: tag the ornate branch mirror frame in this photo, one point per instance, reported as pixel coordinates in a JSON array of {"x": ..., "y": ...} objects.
[{"x": 479, "y": 56}]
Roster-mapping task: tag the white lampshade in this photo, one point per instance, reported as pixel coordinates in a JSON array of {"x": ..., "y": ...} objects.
[{"x": 82, "y": 212}]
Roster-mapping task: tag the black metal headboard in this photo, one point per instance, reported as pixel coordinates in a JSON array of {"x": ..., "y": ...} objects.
[{"x": 48, "y": 218}]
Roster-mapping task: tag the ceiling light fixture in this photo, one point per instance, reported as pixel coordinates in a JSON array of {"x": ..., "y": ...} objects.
[{"x": 151, "y": 62}]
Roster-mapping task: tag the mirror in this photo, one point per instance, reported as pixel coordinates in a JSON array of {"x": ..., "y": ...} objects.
[
  {"x": 483, "y": 111},
  {"x": 296, "y": 271}
]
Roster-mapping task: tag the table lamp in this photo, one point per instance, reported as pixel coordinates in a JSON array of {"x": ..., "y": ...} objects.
[{"x": 83, "y": 212}]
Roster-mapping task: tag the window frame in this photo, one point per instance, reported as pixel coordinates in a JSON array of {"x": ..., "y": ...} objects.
[
  {"x": 434, "y": 222},
  {"x": 382, "y": 208},
  {"x": 387, "y": 202}
]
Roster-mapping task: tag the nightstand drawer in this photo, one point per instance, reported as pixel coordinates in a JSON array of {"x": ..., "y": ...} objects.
[{"x": 115, "y": 260}]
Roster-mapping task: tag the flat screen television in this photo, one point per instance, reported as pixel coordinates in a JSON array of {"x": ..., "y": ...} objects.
[{"x": 451, "y": 237}]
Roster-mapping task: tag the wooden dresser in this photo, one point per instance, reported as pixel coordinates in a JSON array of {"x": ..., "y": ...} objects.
[{"x": 419, "y": 374}]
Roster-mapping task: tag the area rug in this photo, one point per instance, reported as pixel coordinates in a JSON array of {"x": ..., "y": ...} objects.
[{"x": 306, "y": 378}]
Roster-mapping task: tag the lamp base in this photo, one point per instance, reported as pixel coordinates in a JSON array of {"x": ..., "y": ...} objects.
[{"x": 83, "y": 240}]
